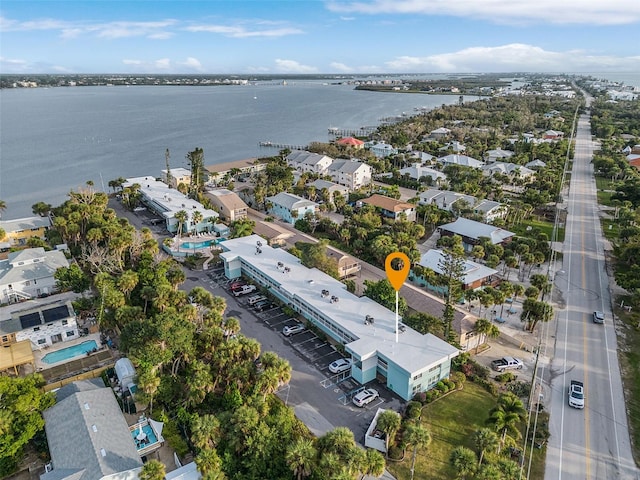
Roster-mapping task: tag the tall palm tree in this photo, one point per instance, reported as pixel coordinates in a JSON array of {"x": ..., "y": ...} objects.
[
  {"x": 196, "y": 218},
  {"x": 419, "y": 437},
  {"x": 506, "y": 416},
  {"x": 152, "y": 470},
  {"x": 205, "y": 431},
  {"x": 181, "y": 216},
  {"x": 484, "y": 328},
  {"x": 485, "y": 439},
  {"x": 463, "y": 461},
  {"x": 389, "y": 423},
  {"x": 374, "y": 463},
  {"x": 300, "y": 458}
]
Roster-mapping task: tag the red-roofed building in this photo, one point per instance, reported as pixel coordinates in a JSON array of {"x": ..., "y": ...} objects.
[
  {"x": 350, "y": 142},
  {"x": 635, "y": 163}
]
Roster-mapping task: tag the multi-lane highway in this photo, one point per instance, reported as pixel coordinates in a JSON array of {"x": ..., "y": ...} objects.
[{"x": 592, "y": 443}]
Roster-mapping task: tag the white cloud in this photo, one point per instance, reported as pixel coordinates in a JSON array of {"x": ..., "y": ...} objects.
[
  {"x": 511, "y": 58},
  {"x": 127, "y": 61},
  {"x": 240, "y": 31},
  {"x": 291, "y": 66},
  {"x": 340, "y": 67},
  {"x": 162, "y": 64},
  {"x": 592, "y": 12},
  {"x": 13, "y": 65},
  {"x": 192, "y": 64}
]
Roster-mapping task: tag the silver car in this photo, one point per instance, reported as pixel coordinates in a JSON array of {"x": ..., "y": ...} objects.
[
  {"x": 365, "y": 397},
  {"x": 598, "y": 317}
]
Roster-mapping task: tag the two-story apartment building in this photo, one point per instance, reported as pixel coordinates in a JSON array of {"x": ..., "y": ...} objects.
[
  {"x": 303, "y": 161},
  {"x": 228, "y": 204},
  {"x": 29, "y": 273},
  {"x": 392, "y": 208},
  {"x": 17, "y": 232},
  {"x": 488, "y": 210},
  {"x": 43, "y": 324},
  {"x": 176, "y": 177},
  {"x": 350, "y": 173},
  {"x": 407, "y": 361},
  {"x": 290, "y": 207},
  {"x": 381, "y": 149}
]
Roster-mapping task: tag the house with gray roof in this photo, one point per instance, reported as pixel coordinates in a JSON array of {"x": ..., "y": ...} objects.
[
  {"x": 471, "y": 232},
  {"x": 28, "y": 273},
  {"x": 350, "y": 173},
  {"x": 453, "y": 146},
  {"x": 381, "y": 149},
  {"x": 439, "y": 133},
  {"x": 508, "y": 169},
  {"x": 490, "y": 210},
  {"x": 88, "y": 436},
  {"x": 418, "y": 171},
  {"x": 331, "y": 187},
  {"x": 289, "y": 207},
  {"x": 535, "y": 164},
  {"x": 304, "y": 161},
  {"x": 463, "y": 160},
  {"x": 494, "y": 155},
  {"x": 444, "y": 199},
  {"x": 18, "y": 231},
  {"x": 474, "y": 275}
]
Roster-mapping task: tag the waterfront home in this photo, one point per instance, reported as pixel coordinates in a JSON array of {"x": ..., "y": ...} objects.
[
  {"x": 88, "y": 436},
  {"x": 350, "y": 142},
  {"x": 381, "y": 149},
  {"x": 18, "y": 232},
  {"x": 303, "y": 161},
  {"x": 176, "y": 177},
  {"x": 474, "y": 275},
  {"x": 463, "y": 160},
  {"x": 350, "y": 173},
  {"x": 289, "y": 207},
  {"x": 405, "y": 361},
  {"x": 471, "y": 232},
  {"x": 167, "y": 202},
  {"x": 392, "y": 208},
  {"x": 42, "y": 324},
  {"x": 227, "y": 203},
  {"x": 245, "y": 167},
  {"x": 29, "y": 273},
  {"x": 421, "y": 173}
]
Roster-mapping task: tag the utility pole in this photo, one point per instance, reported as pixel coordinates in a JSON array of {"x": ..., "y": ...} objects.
[{"x": 166, "y": 160}]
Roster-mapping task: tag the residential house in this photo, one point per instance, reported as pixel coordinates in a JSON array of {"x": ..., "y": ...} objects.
[
  {"x": 444, "y": 199},
  {"x": 274, "y": 234},
  {"x": 246, "y": 167},
  {"x": 347, "y": 265},
  {"x": 228, "y": 204},
  {"x": 290, "y": 207},
  {"x": 474, "y": 275},
  {"x": 392, "y": 208},
  {"x": 418, "y": 171},
  {"x": 463, "y": 160},
  {"x": 490, "y": 210},
  {"x": 535, "y": 164},
  {"x": 29, "y": 273},
  {"x": 166, "y": 202},
  {"x": 453, "y": 146},
  {"x": 88, "y": 436},
  {"x": 303, "y": 161},
  {"x": 404, "y": 360},
  {"x": 471, "y": 232},
  {"x": 498, "y": 154},
  {"x": 42, "y": 325},
  {"x": 381, "y": 149},
  {"x": 350, "y": 142},
  {"x": 176, "y": 177},
  {"x": 422, "y": 157},
  {"x": 331, "y": 187},
  {"x": 509, "y": 169},
  {"x": 439, "y": 133},
  {"x": 552, "y": 135},
  {"x": 17, "y": 232},
  {"x": 350, "y": 173}
]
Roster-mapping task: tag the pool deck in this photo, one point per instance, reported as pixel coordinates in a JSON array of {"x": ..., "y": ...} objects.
[
  {"x": 141, "y": 447},
  {"x": 39, "y": 354}
]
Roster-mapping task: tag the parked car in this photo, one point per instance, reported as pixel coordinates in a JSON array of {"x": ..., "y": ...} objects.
[
  {"x": 256, "y": 299},
  {"x": 598, "y": 317},
  {"x": 293, "y": 329},
  {"x": 365, "y": 397},
  {"x": 340, "y": 365},
  {"x": 507, "y": 363},
  {"x": 236, "y": 284},
  {"x": 244, "y": 290},
  {"x": 260, "y": 306}
]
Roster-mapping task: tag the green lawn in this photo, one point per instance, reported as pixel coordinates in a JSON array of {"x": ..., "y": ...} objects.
[
  {"x": 603, "y": 183},
  {"x": 541, "y": 225},
  {"x": 604, "y": 198},
  {"x": 451, "y": 421},
  {"x": 610, "y": 228}
]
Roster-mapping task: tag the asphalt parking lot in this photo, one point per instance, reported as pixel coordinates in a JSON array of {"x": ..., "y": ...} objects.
[{"x": 320, "y": 398}]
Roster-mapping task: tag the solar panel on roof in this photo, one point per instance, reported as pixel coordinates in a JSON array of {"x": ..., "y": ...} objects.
[
  {"x": 30, "y": 320},
  {"x": 56, "y": 313}
]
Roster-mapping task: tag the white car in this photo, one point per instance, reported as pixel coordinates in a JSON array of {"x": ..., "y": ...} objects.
[
  {"x": 598, "y": 317},
  {"x": 293, "y": 329},
  {"x": 365, "y": 397},
  {"x": 339, "y": 366}
]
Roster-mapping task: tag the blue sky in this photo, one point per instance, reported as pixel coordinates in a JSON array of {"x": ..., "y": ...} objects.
[{"x": 316, "y": 36}]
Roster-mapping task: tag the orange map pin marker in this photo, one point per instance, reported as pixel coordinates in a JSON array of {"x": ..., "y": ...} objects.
[{"x": 397, "y": 277}]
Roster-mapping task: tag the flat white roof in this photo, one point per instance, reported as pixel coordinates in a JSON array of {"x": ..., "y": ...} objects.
[
  {"x": 413, "y": 352},
  {"x": 170, "y": 199}
]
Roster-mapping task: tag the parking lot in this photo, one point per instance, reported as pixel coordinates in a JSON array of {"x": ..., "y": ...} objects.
[{"x": 314, "y": 391}]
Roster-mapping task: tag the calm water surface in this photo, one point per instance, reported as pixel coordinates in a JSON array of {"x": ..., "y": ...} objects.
[{"x": 54, "y": 140}]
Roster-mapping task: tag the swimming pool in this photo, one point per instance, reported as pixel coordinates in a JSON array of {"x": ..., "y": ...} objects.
[
  {"x": 206, "y": 243},
  {"x": 149, "y": 434},
  {"x": 70, "y": 352}
]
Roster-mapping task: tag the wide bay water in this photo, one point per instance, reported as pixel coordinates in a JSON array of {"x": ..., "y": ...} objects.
[{"x": 53, "y": 140}]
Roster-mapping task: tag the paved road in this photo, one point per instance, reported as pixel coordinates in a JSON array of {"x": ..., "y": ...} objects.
[{"x": 592, "y": 443}]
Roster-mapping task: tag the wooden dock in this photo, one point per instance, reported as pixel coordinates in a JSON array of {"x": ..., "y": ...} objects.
[
  {"x": 351, "y": 132},
  {"x": 283, "y": 146}
]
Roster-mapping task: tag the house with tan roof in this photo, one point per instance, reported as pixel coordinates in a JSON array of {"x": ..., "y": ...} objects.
[
  {"x": 228, "y": 204},
  {"x": 392, "y": 208}
]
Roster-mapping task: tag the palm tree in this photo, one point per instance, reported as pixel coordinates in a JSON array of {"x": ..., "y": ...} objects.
[
  {"x": 484, "y": 328},
  {"x": 506, "y": 416},
  {"x": 485, "y": 439},
  {"x": 149, "y": 381},
  {"x": 300, "y": 457},
  {"x": 463, "y": 460},
  {"x": 181, "y": 216},
  {"x": 419, "y": 437},
  {"x": 196, "y": 218},
  {"x": 374, "y": 463},
  {"x": 3, "y": 207},
  {"x": 209, "y": 464},
  {"x": 389, "y": 423},
  {"x": 152, "y": 470},
  {"x": 205, "y": 431}
]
